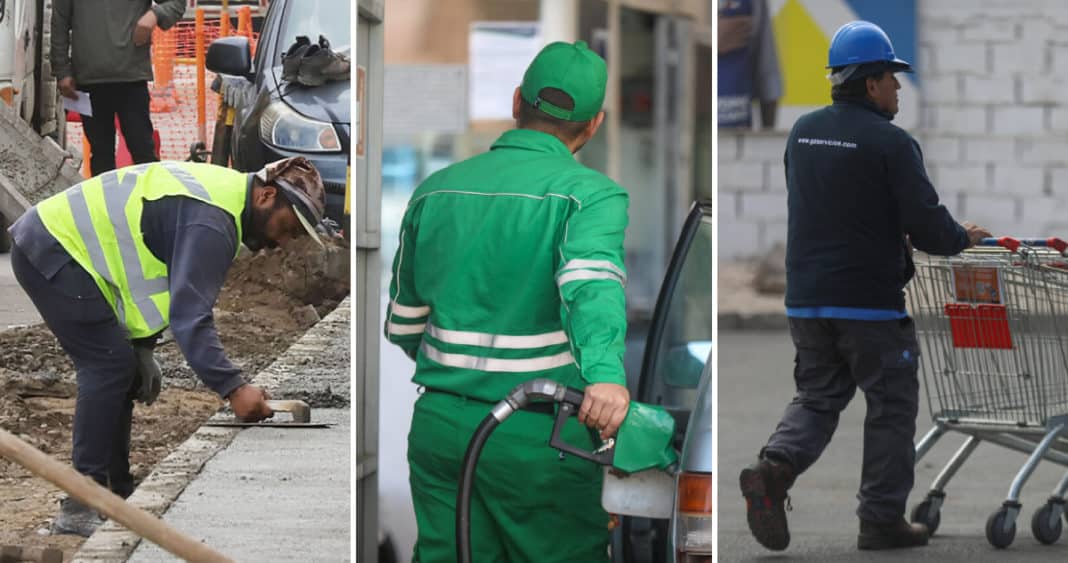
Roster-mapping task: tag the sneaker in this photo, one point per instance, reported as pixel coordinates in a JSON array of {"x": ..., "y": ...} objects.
[
  {"x": 321, "y": 64},
  {"x": 292, "y": 57},
  {"x": 896, "y": 535},
  {"x": 764, "y": 485},
  {"x": 76, "y": 518}
]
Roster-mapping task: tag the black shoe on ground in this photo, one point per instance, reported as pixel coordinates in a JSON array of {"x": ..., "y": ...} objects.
[
  {"x": 895, "y": 535},
  {"x": 76, "y": 518},
  {"x": 764, "y": 485},
  {"x": 292, "y": 57}
]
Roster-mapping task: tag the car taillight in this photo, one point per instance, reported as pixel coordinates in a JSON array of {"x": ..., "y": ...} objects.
[{"x": 693, "y": 518}]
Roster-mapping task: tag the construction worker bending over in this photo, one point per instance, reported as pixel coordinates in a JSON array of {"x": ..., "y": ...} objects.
[
  {"x": 114, "y": 260},
  {"x": 510, "y": 268},
  {"x": 858, "y": 194}
]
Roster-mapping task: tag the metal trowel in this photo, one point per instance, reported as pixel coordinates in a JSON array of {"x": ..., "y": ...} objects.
[{"x": 299, "y": 417}]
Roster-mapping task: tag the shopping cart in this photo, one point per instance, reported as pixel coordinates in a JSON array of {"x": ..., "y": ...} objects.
[{"x": 993, "y": 328}]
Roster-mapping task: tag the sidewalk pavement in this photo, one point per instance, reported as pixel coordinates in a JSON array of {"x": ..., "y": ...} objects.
[
  {"x": 272, "y": 495},
  {"x": 15, "y": 306},
  {"x": 740, "y": 306},
  {"x": 260, "y": 494}
]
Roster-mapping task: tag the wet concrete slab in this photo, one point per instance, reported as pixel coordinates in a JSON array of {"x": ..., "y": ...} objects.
[
  {"x": 260, "y": 494},
  {"x": 273, "y": 494}
]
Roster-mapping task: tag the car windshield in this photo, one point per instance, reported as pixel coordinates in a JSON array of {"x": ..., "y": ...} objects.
[{"x": 312, "y": 18}]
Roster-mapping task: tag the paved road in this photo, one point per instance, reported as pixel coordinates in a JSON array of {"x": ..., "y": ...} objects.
[
  {"x": 755, "y": 383},
  {"x": 15, "y": 306},
  {"x": 271, "y": 495}
]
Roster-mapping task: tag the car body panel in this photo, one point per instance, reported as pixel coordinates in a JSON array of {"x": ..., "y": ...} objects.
[
  {"x": 676, "y": 374},
  {"x": 252, "y": 95}
]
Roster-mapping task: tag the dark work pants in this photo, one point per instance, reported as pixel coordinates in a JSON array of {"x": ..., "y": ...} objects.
[
  {"x": 130, "y": 102},
  {"x": 81, "y": 319},
  {"x": 834, "y": 358}
]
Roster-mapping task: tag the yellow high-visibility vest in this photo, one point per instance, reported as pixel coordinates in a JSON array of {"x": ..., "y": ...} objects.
[{"x": 98, "y": 222}]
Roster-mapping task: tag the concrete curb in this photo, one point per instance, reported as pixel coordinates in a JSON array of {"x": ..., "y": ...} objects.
[
  {"x": 114, "y": 543},
  {"x": 752, "y": 321}
]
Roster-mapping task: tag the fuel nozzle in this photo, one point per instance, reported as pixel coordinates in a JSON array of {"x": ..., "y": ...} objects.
[{"x": 643, "y": 441}]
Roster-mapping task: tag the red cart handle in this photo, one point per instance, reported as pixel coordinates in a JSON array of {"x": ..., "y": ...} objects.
[{"x": 1013, "y": 244}]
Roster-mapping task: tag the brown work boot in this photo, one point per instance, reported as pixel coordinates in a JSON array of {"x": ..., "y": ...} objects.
[
  {"x": 764, "y": 485},
  {"x": 874, "y": 535},
  {"x": 321, "y": 64},
  {"x": 292, "y": 57}
]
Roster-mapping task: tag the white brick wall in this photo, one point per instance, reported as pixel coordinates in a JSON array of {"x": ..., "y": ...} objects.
[
  {"x": 764, "y": 207},
  {"x": 987, "y": 90},
  {"x": 736, "y": 175},
  {"x": 1016, "y": 120},
  {"x": 993, "y": 127},
  {"x": 1027, "y": 181},
  {"x": 985, "y": 149},
  {"x": 963, "y": 57}
]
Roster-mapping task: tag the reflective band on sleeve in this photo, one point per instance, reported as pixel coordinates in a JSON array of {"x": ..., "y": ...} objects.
[
  {"x": 575, "y": 275},
  {"x": 487, "y": 340},
  {"x": 408, "y": 311},
  {"x": 188, "y": 181},
  {"x": 402, "y": 330},
  {"x": 116, "y": 194},
  {"x": 466, "y": 361},
  {"x": 579, "y": 264}
]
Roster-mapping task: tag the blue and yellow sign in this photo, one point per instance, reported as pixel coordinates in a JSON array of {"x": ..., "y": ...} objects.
[{"x": 802, "y": 31}]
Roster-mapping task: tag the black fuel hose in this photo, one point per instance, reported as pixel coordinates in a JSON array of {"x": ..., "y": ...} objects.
[
  {"x": 520, "y": 397},
  {"x": 467, "y": 477}
]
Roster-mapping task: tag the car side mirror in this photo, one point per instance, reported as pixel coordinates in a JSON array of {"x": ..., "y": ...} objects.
[{"x": 230, "y": 55}]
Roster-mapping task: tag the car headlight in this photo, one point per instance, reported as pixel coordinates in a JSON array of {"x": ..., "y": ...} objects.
[{"x": 284, "y": 128}]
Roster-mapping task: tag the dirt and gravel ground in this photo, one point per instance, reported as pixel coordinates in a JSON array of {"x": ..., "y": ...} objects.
[{"x": 271, "y": 298}]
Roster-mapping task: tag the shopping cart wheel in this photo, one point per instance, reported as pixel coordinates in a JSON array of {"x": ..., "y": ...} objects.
[
  {"x": 1046, "y": 523},
  {"x": 1001, "y": 527},
  {"x": 925, "y": 513}
]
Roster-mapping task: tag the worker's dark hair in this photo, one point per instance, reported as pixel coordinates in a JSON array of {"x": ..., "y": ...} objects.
[
  {"x": 856, "y": 87},
  {"x": 280, "y": 199},
  {"x": 531, "y": 117}
]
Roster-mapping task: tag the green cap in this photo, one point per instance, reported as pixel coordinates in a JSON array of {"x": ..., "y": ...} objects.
[{"x": 572, "y": 68}]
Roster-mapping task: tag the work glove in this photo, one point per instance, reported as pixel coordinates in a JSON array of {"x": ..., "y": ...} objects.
[{"x": 149, "y": 374}]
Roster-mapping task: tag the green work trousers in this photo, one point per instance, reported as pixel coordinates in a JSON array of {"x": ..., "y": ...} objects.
[{"x": 527, "y": 504}]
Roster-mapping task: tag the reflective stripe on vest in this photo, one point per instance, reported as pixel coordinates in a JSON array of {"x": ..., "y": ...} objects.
[
  {"x": 500, "y": 341},
  {"x": 116, "y": 194},
  {"x": 187, "y": 180},
  {"x": 481, "y": 363}
]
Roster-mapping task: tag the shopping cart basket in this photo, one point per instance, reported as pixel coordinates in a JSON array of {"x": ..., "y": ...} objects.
[{"x": 993, "y": 327}]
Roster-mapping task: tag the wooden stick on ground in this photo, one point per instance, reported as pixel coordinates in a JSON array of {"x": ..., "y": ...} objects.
[{"x": 89, "y": 492}]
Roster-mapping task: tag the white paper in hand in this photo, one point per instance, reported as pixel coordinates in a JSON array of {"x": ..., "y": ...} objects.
[{"x": 81, "y": 105}]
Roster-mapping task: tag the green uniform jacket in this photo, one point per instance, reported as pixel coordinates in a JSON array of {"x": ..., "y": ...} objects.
[
  {"x": 510, "y": 268},
  {"x": 92, "y": 40}
]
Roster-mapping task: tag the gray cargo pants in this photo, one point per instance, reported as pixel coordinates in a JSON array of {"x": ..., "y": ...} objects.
[{"x": 834, "y": 358}]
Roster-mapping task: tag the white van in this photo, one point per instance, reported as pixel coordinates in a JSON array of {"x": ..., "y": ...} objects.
[{"x": 26, "y": 82}]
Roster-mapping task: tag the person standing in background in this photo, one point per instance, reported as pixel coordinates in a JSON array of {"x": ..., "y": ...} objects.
[
  {"x": 103, "y": 48},
  {"x": 748, "y": 64}
]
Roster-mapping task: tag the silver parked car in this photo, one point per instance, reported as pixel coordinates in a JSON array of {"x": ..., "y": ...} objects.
[{"x": 677, "y": 375}]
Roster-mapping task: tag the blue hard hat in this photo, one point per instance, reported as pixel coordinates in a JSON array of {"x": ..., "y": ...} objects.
[{"x": 860, "y": 42}]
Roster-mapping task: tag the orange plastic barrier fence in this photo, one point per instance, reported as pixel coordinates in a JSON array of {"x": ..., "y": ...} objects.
[{"x": 183, "y": 107}]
